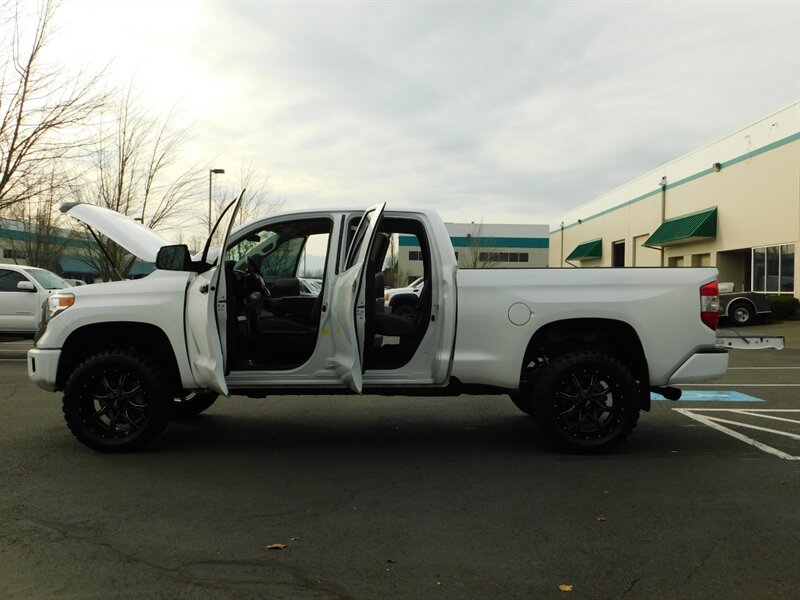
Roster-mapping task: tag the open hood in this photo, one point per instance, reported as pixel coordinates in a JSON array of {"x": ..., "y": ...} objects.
[{"x": 137, "y": 239}]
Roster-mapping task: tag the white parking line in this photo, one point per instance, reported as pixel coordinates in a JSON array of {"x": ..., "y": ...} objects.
[
  {"x": 713, "y": 385},
  {"x": 758, "y": 368},
  {"x": 760, "y": 415},
  {"x": 794, "y": 436},
  {"x": 715, "y": 423}
]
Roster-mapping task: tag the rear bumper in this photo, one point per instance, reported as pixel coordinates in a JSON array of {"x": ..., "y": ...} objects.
[
  {"x": 702, "y": 366},
  {"x": 43, "y": 367}
]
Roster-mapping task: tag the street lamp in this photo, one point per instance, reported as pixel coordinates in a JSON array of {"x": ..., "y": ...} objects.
[{"x": 211, "y": 173}]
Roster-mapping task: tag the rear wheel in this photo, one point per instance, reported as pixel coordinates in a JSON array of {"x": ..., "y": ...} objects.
[
  {"x": 114, "y": 401},
  {"x": 742, "y": 313},
  {"x": 192, "y": 404},
  {"x": 589, "y": 401}
]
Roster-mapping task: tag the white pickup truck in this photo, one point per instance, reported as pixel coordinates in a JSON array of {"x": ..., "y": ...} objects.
[{"x": 578, "y": 349}]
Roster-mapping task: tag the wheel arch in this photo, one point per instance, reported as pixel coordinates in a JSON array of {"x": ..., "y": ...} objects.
[
  {"x": 740, "y": 300},
  {"x": 616, "y": 338},
  {"x": 144, "y": 337}
]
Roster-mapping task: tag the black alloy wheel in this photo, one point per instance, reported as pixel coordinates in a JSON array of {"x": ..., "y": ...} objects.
[
  {"x": 589, "y": 400},
  {"x": 115, "y": 401}
]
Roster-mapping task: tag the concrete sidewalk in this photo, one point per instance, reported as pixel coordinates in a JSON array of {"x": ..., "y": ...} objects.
[{"x": 14, "y": 348}]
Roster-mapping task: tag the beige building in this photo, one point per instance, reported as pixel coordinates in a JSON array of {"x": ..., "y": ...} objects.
[{"x": 733, "y": 204}]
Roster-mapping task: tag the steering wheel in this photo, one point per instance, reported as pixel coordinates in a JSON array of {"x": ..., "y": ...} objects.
[{"x": 252, "y": 270}]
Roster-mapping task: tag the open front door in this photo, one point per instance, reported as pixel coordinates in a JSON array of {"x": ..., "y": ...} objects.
[
  {"x": 349, "y": 302},
  {"x": 206, "y": 313}
]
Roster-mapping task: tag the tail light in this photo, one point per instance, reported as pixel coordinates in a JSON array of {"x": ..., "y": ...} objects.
[{"x": 709, "y": 305}]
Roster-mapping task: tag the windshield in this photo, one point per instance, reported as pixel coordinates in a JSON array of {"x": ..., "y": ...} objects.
[{"x": 47, "y": 279}]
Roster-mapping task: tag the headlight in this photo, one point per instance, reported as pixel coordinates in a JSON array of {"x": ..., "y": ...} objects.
[{"x": 59, "y": 302}]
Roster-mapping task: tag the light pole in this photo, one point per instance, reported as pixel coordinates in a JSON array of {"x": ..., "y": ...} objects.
[{"x": 211, "y": 173}]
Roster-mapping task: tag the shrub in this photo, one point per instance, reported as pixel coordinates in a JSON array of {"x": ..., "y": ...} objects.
[{"x": 785, "y": 307}]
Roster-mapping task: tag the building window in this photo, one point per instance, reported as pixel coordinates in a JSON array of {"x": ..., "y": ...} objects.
[
  {"x": 773, "y": 269},
  {"x": 503, "y": 257},
  {"x": 415, "y": 255},
  {"x": 13, "y": 254},
  {"x": 675, "y": 261}
]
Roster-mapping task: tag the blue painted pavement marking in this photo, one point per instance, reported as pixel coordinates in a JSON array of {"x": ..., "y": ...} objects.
[{"x": 710, "y": 396}]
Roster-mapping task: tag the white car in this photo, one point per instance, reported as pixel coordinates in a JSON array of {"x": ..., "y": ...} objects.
[
  {"x": 403, "y": 301},
  {"x": 74, "y": 282},
  {"x": 23, "y": 289}
]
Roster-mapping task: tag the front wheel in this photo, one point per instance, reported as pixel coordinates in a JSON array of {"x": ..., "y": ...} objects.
[
  {"x": 589, "y": 401},
  {"x": 115, "y": 401},
  {"x": 522, "y": 401}
]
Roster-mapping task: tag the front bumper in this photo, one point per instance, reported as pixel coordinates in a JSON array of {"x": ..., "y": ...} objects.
[
  {"x": 43, "y": 367},
  {"x": 702, "y": 366}
]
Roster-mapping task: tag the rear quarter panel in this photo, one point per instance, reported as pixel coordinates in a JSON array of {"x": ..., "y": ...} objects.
[{"x": 661, "y": 305}]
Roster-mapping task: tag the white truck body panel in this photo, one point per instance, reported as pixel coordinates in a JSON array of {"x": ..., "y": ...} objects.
[
  {"x": 661, "y": 305},
  {"x": 481, "y": 320},
  {"x": 156, "y": 300},
  {"x": 203, "y": 342},
  {"x": 139, "y": 240}
]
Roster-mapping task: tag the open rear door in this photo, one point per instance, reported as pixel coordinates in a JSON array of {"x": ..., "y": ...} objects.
[
  {"x": 206, "y": 313},
  {"x": 349, "y": 302}
]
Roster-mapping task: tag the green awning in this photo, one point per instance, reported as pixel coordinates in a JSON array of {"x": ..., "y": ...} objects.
[
  {"x": 587, "y": 250},
  {"x": 701, "y": 225}
]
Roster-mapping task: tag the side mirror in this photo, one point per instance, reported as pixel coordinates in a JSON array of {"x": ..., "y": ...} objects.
[
  {"x": 26, "y": 286},
  {"x": 174, "y": 258}
]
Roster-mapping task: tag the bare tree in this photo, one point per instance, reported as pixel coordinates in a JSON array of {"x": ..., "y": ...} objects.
[
  {"x": 36, "y": 231},
  {"x": 258, "y": 201},
  {"x": 393, "y": 275},
  {"x": 132, "y": 171},
  {"x": 43, "y": 105},
  {"x": 477, "y": 255}
]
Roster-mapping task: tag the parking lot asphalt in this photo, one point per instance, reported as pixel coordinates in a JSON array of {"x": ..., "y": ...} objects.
[{"x": 410, "y": 498}]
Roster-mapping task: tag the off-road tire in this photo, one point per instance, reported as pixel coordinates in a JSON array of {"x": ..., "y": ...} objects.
[
  {"x": 588, "y": 401},
  {"x": 116, "y": 401},
  {"x": 192, "y": 404},
  {"x": 522, "y": 401}
]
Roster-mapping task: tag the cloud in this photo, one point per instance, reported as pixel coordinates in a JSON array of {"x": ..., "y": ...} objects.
[{"x": 487, "y": 111}]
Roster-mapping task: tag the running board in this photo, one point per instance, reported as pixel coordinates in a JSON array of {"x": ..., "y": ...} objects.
[{"x": 737, "y": 341}]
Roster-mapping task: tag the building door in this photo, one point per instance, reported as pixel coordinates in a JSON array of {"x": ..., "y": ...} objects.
[{"x": 618, "y": 254}]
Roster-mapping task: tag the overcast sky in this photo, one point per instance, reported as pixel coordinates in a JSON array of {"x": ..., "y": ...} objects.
[{"x": 493, "y": 112}]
